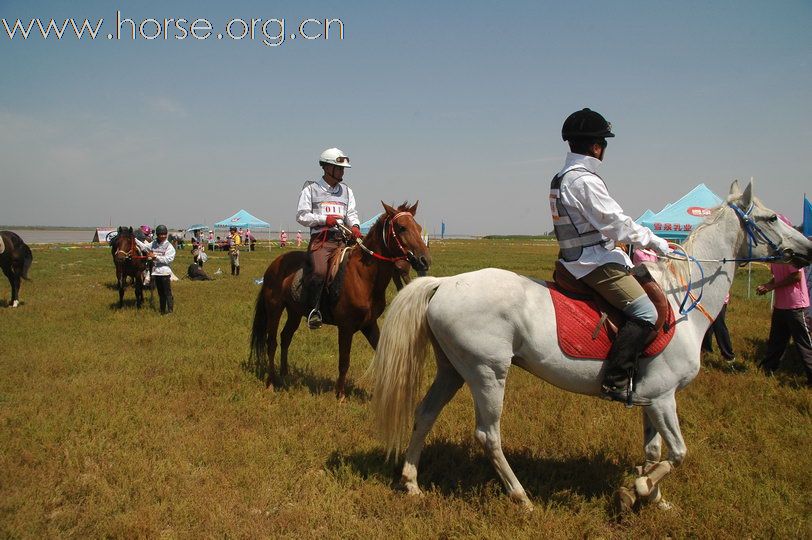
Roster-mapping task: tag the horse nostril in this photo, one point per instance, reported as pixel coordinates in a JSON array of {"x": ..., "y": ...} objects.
[{"x": 424, "y": 262}]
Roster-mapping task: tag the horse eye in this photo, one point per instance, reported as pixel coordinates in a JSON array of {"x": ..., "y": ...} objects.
[
  {"x": 401, "y": 229},
  {"x": 773, "y": 218}
]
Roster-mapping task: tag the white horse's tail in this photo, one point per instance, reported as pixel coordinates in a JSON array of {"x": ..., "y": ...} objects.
[{"x": 397, "y": 368}]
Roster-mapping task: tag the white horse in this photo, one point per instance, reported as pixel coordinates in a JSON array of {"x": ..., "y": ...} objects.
[{"x": 480, "y": 323}]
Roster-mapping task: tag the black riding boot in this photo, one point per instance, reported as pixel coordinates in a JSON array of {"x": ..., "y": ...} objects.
[
  {"x": 630, "y": 342},
  {"x": 312, "y": 299}
]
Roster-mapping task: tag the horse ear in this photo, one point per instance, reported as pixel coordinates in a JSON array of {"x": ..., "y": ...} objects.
[
  {"x": 747, "y": 196},
  {"x": 131, "y": 230},
  {"x": 389, "y": 210},
  {"x": 735, "y": 190},
  {"x": 413, "y": 209}
]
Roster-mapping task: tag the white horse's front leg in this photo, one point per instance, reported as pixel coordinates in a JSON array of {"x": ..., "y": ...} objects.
[{"x": 662, "y": 416}]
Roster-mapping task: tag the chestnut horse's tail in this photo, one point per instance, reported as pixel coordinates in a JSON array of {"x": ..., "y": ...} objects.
[
  {"x": 259, "y": 333},
  {"x": 397, "y": 368}
]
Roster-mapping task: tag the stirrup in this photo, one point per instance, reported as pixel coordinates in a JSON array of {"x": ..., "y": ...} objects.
[
  {"x": 314, "y": 319},
  {"x": 624, "y": 395}
]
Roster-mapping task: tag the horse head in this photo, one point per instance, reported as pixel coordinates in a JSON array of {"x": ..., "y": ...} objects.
[
  {"x": 402, "y": 235},
  {"x": 124, "y": 244},
  {"x": 765, "y": 233}
]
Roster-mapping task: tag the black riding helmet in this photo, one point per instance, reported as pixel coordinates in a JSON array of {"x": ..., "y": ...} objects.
[
  {"x": 161, "y": 229},
  {"x": 586, "y": 124}
]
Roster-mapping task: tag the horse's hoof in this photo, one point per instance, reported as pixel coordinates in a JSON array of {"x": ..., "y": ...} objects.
[
  {"x": 411, "y": 489},
  {"x": 664, "y": 505},
  {"x": 643, "y": 486},
  {"x": 522, "y": 500},
  {"x": 625, "y": 500},
  {"x": 15, "y": 303},
  {"x": 341, "y": 398}
]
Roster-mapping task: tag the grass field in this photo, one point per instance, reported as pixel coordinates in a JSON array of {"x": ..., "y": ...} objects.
[{"x": 123, "y": 423}]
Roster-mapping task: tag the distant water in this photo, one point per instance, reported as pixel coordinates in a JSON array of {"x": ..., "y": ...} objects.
[{"x": 54, "y": 236}]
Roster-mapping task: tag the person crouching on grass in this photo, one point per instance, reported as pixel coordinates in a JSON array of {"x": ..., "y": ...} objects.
[{"x": 162, "y": 254}]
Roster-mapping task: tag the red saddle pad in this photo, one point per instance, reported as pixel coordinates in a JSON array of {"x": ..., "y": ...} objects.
[{"x": 577, "y": 319}]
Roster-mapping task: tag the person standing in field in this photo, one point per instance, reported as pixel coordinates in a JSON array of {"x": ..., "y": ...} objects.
[
  {"x": 587, "y": 224},
  {"x": 283, "y": 238},
  {"x": 323, "y": 205},
  {"x": 162, "y": 253},
  {"x": 234, "y": 250},
  {"x": 298, "y": 238},
  {"x": 791, "y": 302}
]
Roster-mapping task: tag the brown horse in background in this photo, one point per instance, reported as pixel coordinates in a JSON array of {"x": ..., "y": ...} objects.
[
  {"x": 371, "y": 265},
  {"x": 129, "y": 262},
  {"x": 15, "y": 261}
]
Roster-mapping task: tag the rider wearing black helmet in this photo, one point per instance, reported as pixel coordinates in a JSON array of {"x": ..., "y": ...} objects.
[{"x": 588, "y": 223}]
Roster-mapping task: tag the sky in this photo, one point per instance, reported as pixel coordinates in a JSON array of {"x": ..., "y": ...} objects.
[{"x": 457, "y": 104}]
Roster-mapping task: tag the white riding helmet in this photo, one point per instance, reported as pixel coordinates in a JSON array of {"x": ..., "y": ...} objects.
[{"x": 334, "y": 156}]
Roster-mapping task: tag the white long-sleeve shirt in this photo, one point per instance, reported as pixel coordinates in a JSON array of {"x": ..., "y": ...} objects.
[
  {"x": 588, "y": 202},
  {"x": 164, "y": 255},
  {"x": 316, "y": 217}
]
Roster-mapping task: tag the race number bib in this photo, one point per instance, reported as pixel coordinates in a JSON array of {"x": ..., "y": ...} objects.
[{"x": 334, "y": 208}]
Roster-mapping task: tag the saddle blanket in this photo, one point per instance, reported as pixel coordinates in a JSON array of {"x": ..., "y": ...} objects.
[{"x": 577, "y": 320}]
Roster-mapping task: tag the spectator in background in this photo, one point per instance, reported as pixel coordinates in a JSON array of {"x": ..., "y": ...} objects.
[
  {"x": 719, "y": 329},
  {"x": 234, "y": 250},
  {"x": 791, "y": 301},
  {"x": 283, "y": 238},
  {"x": 298, "y": 238}
]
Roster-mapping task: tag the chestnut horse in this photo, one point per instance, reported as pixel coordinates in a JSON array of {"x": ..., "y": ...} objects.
[
  {"x": 129, "y": 262},
  {"x": 371, "y": 265},
  {"x": 15, "y": 260}
]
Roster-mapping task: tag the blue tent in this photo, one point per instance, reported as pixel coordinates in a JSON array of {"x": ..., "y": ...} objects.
[
  {"x": 647, "y": 214},
  {"x": 246, "y": 221},
  {"x": 807, "y": 217},
  {"x": 678, "y": 219},
  {"x": 242, "y": 219},
  {"x": 365, "y": 226}
]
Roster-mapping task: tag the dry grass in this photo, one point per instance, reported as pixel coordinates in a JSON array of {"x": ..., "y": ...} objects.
[{"x": 124, "y": 423}]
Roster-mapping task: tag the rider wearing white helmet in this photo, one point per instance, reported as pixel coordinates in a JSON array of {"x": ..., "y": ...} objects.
[
  {"x": 587, "y": 224},
  {"x": 323, "y": 204}
]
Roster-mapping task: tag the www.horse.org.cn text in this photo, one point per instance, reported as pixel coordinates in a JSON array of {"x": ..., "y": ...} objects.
[{"x": 271, "y": 32}]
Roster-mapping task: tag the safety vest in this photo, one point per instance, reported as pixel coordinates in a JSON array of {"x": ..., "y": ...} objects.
[
  {"x": 325, "y": 203},
  {"x": 571, "y": 241}
]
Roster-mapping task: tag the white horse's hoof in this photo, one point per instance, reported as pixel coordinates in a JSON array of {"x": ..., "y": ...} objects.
[
  {"x": 411, "y": 489},
  {"x": 664, "y": 505},
  {"x": 625, "y": 500},
  {"x": 15, "y": 303}
]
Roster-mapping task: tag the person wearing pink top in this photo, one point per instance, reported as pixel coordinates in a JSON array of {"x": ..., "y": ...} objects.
[
  {"x": 641, "y": 255},
  {"x": 791, "y": 300}
]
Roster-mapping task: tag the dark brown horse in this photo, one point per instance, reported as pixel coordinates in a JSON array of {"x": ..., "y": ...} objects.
[
  {"x": 394, "y": 238},
  {"x": 129, "y": 262},
  {"x": 15, "y": 260}
]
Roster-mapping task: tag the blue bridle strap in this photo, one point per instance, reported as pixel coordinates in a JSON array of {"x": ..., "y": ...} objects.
[{"x": 754, "y": 234}]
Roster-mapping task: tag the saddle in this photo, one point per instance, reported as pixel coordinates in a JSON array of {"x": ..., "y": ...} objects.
[
  {"x": 332, "y": 281},
  {"x": 588, "y": 324}
]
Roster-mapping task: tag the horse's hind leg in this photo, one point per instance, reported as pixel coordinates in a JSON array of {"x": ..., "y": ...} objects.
[
  {"x": 446, "y": 384},
  {"x": 291, "y": 325},
  {"x": 274, "y": 315},
  {"x": 488, "y": 391}
]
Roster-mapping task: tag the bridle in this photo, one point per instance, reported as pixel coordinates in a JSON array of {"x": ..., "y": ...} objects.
[
  {"x": 387, "y": 233},
  {"x": 755, "y": 235},
  {"x": 131, "y": 254}
]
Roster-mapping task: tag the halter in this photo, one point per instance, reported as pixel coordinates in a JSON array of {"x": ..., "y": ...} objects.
[{"x": 129, "y": 255}]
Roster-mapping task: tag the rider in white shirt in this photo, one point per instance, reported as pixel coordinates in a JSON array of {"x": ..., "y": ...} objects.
[{"x": 588, "y": 223}]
